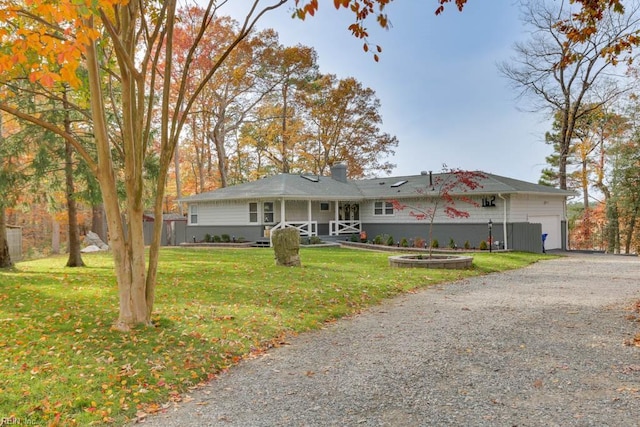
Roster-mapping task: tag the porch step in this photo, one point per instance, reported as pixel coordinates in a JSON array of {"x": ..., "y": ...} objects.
[
  {"x": 333, "y": 239},
  {"x": 261, "y": 243}
]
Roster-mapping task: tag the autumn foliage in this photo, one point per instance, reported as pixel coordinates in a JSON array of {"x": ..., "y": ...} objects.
[{"x": 446, "y": 190}]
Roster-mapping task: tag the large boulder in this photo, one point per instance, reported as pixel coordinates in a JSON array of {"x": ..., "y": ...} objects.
[
  {"x": 286, "y": 245},
  {"x": 92, "y": 239}
]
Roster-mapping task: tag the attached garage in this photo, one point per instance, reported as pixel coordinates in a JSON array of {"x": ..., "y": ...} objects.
[{"x": 551, "y": 225}]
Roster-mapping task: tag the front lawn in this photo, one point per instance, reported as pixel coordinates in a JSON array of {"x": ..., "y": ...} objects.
[{"x": 62, "y": 364}]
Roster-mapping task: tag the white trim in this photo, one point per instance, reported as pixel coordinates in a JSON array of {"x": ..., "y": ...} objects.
[
  {"x": 385, "y": 206},
  {"x": 193, "y": 212}
]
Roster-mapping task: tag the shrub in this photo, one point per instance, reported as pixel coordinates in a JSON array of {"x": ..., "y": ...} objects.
[
  {"x": 242, "y": 239},
  {"x": 452, "y": 243},
  {"x": 207, "y": 237},
  {"x": 390, "y": 241},
  {"x": 467, "y": 245},
  {"x": 378, "y": 239},
  {"x": 355, "y": 238},
  {"x": 404, "y": 242},
  {"x": 225, "y": 238},
  {"x": 217, "y": 239},
  {"x": 435, "y": 244},
  {"x": 419, "y": 242},
  {"x": 483, "y": 246},
  {"x": 315, "y": 240}
]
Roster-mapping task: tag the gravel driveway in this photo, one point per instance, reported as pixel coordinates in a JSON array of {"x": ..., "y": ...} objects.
[{"x": 547, "y": 345}]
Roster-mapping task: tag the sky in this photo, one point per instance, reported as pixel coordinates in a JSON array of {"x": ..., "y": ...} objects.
[{"x": 438, "y": 82}]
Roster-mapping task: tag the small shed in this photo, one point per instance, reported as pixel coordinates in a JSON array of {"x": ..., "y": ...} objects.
[
  {"x": 14, "y": 239},
  {"x": 174, "y": 228}
]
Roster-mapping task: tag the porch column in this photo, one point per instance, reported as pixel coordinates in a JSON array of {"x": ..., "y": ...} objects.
[
  {"x": 309, "y": 217},
  {"x": 337, "y": 218},
  {"x": 283, "y": 213}
]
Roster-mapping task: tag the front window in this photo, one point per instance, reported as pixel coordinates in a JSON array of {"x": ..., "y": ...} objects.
[
  {"x": 253, "y": 212},
  {"x": 193, "y": 213},
  {"x": 268, "y": 212},
  {"x": 383, "y": 208}
]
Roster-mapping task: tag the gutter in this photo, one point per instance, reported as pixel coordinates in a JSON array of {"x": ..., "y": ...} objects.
[{"x": 504, "y": 221}]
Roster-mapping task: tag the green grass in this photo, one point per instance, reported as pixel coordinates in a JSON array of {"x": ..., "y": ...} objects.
[{"x": 61, "y": 362}]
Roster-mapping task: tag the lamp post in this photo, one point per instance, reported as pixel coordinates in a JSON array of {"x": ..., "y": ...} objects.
[{"x": 490, "y": 238}]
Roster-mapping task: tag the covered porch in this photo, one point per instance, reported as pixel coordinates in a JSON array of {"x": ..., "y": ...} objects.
[{"x": 318, "y": 217}]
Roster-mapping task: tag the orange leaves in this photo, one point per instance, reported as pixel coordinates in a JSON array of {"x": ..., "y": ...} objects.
[
  {"x": 361, "y": 9},
  {"x": 459, "y": 3},
  {"x": 48, "y": 40},
  {"x": 584, "y": 25},
  {"x": 308, "y": 9}
]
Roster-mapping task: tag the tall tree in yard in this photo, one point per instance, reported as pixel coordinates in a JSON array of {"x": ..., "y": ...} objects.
[
  {"x": 6, "y": 178},
  {"x": 566, "y": 74},
  {"x": 344, "y": 126},
  {"x": 15, "y": 172},
  {"x": 53, "y": 106},
  {"x": 227, "y": 101},
  {"x": 120, "y": 43},
  {"x": 294, "y": 68}
]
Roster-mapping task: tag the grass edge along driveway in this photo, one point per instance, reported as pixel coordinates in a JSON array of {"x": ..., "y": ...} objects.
[{"x": 63, "y": 365}]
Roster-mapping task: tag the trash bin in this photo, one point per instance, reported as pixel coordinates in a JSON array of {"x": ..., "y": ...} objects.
[{"x": 544, "y": 238}]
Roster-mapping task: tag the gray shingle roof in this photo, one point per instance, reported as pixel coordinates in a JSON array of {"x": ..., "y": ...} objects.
[
  {"x": 288, "y": 186},
  {"x": 412, "y": 185},
  {"x": 311, "y": 187}
]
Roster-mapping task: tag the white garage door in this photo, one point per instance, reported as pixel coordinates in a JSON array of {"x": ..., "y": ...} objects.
[{"x": 551, "y": 226}]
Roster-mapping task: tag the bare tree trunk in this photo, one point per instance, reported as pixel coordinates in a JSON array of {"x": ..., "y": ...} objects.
[
  {"x": 218, "y": 140},
  {"x": 98, "y": 224},
  {"x": 176, "y": 166},
  {"x": 612, "y": 230},
  {"x": 585, "y": 201},
  {"x": 285, "y": 137},
  {"x": 5, "y": 256},
  {"x": 75, "y": 256},
  {"x": 128, "y": 250},
  {"x": 631, "y": 228}
]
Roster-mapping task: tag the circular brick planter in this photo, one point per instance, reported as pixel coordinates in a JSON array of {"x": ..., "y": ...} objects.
[{"x": 435, "y": 261}]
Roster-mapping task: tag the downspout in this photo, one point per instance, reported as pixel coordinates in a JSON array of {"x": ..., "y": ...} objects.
[{"x": 504, "y": 221}]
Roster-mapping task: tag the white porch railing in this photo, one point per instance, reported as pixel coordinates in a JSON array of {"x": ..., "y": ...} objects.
[
  {"x": 337, "y": 228},
  {"x": 305, "y": 228}
]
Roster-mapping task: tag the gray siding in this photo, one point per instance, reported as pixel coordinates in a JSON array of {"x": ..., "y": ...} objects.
[
  {"x": 460, "y": 233},
  {"x": 522, "y": 236},
  {"x": 248, "y": 232},
  {"x": 525, "y": 237},
  {"x": 170, "y": 237}
]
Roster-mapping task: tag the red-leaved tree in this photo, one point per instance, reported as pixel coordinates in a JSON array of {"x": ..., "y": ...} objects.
[{"x": 447, "y": 189}]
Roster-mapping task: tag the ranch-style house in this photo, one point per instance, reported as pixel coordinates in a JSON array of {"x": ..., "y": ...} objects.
[{"x": 519, "y": 212}]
